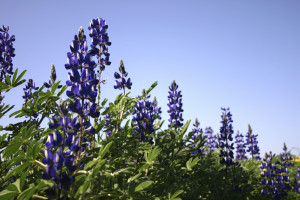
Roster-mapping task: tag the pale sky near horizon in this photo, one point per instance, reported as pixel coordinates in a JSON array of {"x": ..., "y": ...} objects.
[{"x": 238, "y": 54}]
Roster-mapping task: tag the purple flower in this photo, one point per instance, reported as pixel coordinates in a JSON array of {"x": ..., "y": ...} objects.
[
  {"x": 144, "y": 117},
  {"x": 121, "y": 82},
  {"x": 240, "y": 147},
  {"x": 175, "y": 106},
  {"x": 211, "y": 139},
  {"x": 7, "y": 52},
  {"x": 251, "y": 144},
  {"x": 226, "y": 131},
  {"x": 197, "y": 136},
  {"x": 100, "y": 41}
]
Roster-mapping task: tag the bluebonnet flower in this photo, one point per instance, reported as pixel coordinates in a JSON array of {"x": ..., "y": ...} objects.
[
  {"x": 99, "y": 46},
  {"x": 175, "y": 106},
  {"x": 226, "y": 132},
  {"x": 268, "y": 175},
  {"x": 144, "y": 117},
  {"x": 55, "y": 154},
  {"x": 28, "y": 90},
  {"x": 275, "y": 181},
  {"x": 240, "y": 147},
  {"x": 211, "y": 139},
  {"x": 121, "y": 82},
  {"x": 7, "y": 52},
  {"x": 251, "y": 144},
  {"x": 52, "y": 78},
  {"x": 198, "y": 136},
  {"x": 100, "y": 41},
  {"x": 83, "y": 81},
  {"x": 297, "y": 180},
  {"x": 29, "y": 94}
]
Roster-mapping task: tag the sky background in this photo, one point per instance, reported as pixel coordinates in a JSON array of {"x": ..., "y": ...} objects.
[{"x": 238, "y": 54}]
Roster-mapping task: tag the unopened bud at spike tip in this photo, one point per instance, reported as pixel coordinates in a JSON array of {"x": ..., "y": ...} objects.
[
  {"x": 53, "y": 73},
  {"x": 122, "y": 67}
]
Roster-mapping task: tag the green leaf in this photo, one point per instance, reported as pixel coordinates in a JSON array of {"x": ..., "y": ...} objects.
[
  {"x": 41, "y": 100},
  {"x": 6, "y": 194},
  {"x": 19, "y": 83},
  {"x": 54, "y": 87},
  {"x": 90, "y": 164},
  {"x": 191, "y": 163},
  {"x": 152, "y": 154},
  {"x": 11, "y": 149},
  {"x": 19, "y": 78},
  {"x": 22, "y": 180},
  {"x": 143, "y": 186},
  {"x": 104, "y": 150},
  {"x": 178, "y": 192},
  {"x": 62, "y": 90},
  {"x": 145, "y": 166},
  {"x": 8, "y": 81},
  {"x": 35, "y": 150},
  {"x": 134, "y": 177},
  {"x": 3, "y": 86},
  {"x": 28, "y": 193},
  {"x": 14, "y": 113},
  {"x": 17, "y": 170},
  {"x": 185, "y": 127},
  {"x": 14, "y": 77}
]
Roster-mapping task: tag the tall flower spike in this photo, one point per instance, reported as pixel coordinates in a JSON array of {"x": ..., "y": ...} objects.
[
  {"x": 211, "y": 140},
  {"x": 251, "y": 144},
  {"x": 226, "y": 132},
  {"x": 144, "y": 117},
  {"x": 121, "y": 82},
  {"x": 240, "y": 147},
  {"x": 99, "y": 46},
  {"x": 7, "y": 52},
  {"x": 197, "y": 131},
  {"x": 175, "y": 106}
]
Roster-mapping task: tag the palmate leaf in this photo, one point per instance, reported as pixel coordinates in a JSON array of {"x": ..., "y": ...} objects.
[
  {"x": 4, "y": 109},
  {"x": 14, "y": 82}
]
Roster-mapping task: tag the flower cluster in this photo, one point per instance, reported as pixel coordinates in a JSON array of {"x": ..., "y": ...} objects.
[
  {"x": 226, "y": 131},
  {"x": 83, "y": 81},
  {"x": 7, "y": 52},
  {"x": 275, "y": 182},
  {"x": 121, "y": 82},
  {"x": 175, "y": 106},
  {"x": 298, "y": 182},
  {"x": 240, "y": 147},
  {"x": 144, "y": 116},
  {"x": 56, "y": 154},
  {"x": 211, "y": 139},
  {"x": 198, "y": 132},
  {"x": 251, "y": 142},
  {"x": 100, "y": 41},
  {"x": 29, "y": 93}
]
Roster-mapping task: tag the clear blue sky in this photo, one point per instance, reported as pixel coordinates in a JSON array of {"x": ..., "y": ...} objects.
[{"x": 238, "y": 54}]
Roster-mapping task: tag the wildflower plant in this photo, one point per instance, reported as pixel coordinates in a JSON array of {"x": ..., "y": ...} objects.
[
  {"x": 226, "y": 132},
  {"x": 211, "y": 140},
  {"x": 122, "y": 152},
  {"x": 252, "y": 144},
  {"x": 240, "y": 147},
  {"x": 7, "y": 52},
  {"x": 175, "y": 106}
]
